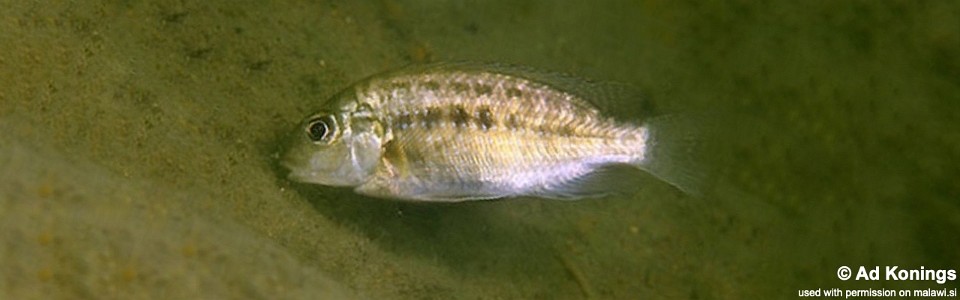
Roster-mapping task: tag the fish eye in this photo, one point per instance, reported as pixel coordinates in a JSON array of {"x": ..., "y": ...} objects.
[{"x": 321, "y": 129}]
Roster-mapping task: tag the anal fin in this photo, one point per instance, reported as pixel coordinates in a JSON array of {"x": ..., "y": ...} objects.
[{"x": 602, "y": 182}]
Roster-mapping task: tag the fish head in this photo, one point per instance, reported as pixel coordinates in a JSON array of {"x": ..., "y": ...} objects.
[{"x": 340, "y": 147}]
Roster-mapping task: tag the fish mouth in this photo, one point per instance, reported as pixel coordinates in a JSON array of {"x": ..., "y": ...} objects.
[
  {"x": 295, "y": 176},
  {"x": 296, "y": 173},
  {"x": 303, "y": 177},
  {"x": 293, "y": 169}
]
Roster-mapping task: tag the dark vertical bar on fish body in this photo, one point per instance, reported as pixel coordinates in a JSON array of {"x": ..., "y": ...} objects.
[{"x": 484, "y": 118}]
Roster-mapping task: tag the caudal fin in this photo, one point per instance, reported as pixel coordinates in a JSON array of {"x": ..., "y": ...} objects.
[{"x": 674, "y": 153}]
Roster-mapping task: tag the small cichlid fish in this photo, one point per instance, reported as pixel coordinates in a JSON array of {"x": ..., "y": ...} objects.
[{"x": 462, "y": 132}]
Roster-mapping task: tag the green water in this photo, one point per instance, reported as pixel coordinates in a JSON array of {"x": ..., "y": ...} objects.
[{"x": 139, "y": 139}]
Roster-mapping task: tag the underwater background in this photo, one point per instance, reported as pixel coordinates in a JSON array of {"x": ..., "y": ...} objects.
[{"x": 138, "y": 147}]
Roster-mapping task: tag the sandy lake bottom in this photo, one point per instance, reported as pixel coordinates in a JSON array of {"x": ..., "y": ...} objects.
[{"x": 138, "y": 145}]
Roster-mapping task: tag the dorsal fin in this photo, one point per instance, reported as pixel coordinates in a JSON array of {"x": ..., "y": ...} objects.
[{"x": 619, "y": 100}]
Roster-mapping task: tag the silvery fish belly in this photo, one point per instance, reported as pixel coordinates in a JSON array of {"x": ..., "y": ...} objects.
[{"x": 455, "y": 133}]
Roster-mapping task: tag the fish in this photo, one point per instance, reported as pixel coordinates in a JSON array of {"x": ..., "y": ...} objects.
[{"x": 456, "y": 132}]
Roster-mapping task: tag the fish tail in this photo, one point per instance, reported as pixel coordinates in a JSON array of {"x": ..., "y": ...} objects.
[{"x": 672, "y": 153}]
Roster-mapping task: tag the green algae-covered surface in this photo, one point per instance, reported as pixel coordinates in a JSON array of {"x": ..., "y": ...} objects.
[{"x": 138, "y": 147}]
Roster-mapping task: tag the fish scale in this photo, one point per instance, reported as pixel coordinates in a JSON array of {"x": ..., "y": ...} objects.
[{"x": 532, "y": 109}]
